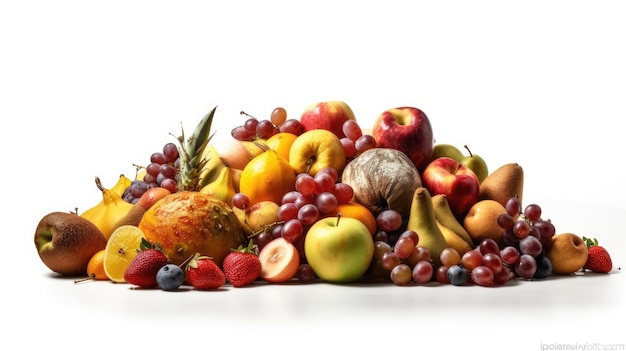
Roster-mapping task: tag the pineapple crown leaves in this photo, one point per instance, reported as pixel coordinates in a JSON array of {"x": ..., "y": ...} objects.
[
  {"x": 191, "y": 151},
  {"x": 146, "y": 245},
  {"x": 590, "y": 242}
]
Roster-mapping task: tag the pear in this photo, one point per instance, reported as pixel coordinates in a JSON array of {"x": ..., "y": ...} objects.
[
  {"x": 505, "y": 182},
  {"x": 446, "y": 218},
  {"x": 453, "y": 240},
  {"x": 422, "y": 220}
]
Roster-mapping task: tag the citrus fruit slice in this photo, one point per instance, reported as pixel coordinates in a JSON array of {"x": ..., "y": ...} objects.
[{"x": 121, "y": 248}]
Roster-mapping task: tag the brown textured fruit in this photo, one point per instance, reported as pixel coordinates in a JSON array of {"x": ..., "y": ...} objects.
[
  {"x": 383, "y": 179},
  {"x": 502, "y": 184},
  {"x": 66, "y": 242},
  {"x": 190, "y": 222}
]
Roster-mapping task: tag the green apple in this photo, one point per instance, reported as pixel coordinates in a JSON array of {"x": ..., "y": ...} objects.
[
  {"x": 446, "y": 150},
  {"x": 339, "y": 249},
  {"x": 476, "y": 163}
]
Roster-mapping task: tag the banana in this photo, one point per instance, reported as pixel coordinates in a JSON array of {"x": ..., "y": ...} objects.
[
  {"x": 108, "y": 211},
  {"x": 122, "y": 183},
  {"x": 222, "y": 187},
  {"x": 212, "y": 167}
]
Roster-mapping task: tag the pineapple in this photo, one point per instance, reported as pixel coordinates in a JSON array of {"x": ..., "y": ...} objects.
[{"x": 188, "y": 221}]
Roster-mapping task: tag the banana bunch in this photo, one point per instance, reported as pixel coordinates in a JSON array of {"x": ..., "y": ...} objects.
[
  {"x": 215, "y": 177},
  {"x": 111, "y": 208}
]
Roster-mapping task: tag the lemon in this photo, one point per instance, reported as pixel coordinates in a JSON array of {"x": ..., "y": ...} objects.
[{"x": 121, "y": 248}]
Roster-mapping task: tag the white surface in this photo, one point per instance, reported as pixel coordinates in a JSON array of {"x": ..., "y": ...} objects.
[{"x": 91, "y": 89}]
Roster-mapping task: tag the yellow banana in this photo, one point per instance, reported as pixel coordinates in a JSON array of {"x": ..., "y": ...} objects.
[
  {"x": 107, "y": 212},
  {"x": 222, "y": 187},
  {"x": 122, "y": 183},
  {"x": 212, "y": 168}
]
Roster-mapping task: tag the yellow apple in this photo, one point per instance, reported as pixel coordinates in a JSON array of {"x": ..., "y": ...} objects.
[{"x": 315, "y": 150}]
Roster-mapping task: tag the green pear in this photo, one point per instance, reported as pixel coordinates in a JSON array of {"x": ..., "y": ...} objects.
[
  {"x": 446, "y": 150},
  {"x": 476, "y": 163},
  {"x": 422, "y": 220},
  {"x": 445, "y": 217},
  {"x": 502, "y": 184}
]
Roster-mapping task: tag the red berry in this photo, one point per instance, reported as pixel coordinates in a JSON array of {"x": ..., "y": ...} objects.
[
  {"x": 242, "y": 267},
  {"x": 203, "y": 273},
  {"x": 598, "y": 258},
  {"x": 143, "y": 269}
]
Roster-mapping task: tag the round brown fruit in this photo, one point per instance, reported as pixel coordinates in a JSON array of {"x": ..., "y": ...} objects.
[
  {"x": 382, "y": 179},
  {"x": 190, "y": 222},
  {"x": 568, "y": 253},
  {"x": 66, "y": 242}
]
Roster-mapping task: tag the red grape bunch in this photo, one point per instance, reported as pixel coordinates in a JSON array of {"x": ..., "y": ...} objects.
[
  {"x": 254, "y": 128},
  {"x": 525, "y": 230},
  {"x": 160, "y": 172},
  {"x": 403, "y": 262}
]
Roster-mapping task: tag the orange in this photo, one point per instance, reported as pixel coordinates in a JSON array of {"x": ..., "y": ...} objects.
[
  {"x": 267, "y": 177},
  {"x": 356, "y": 210},
  {"x": 95, "y": 267},
  {"x": 281, "y": 143}
]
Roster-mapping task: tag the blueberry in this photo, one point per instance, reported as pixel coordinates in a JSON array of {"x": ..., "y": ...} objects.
[
  {"x": 170, "y": 277},
  {"x": 457, "y": 275},
  {"x": 544, "y": 267}
]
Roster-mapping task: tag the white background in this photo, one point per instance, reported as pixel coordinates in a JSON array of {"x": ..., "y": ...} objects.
[{"x": 89, "y": 89}]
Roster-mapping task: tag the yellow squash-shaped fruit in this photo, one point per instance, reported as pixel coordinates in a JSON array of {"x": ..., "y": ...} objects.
[
  {"x": 211, "y": 168},
  {"x": 108, "y": 211},
  {"x": 222, "y": 187},
  {"x": 268, "y": 176},
  {"x": 423, "y": 221},
  {"x": 122, "y": 183}
]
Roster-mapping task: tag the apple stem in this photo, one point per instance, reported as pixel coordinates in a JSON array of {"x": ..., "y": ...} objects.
[
  {"x": 468, "y": 150},
  {"x": 309, "y": 163},
  {"x": 338, "y": 218}
]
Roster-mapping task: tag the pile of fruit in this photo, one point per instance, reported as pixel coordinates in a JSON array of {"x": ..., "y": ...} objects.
[{"x": 314, "y": 199}]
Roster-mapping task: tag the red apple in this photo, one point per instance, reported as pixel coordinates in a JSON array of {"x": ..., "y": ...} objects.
[
  {"x": 406, "y": 129},
  {"x": 328, "y": 115},
  {"x": 457, "y": 182}
]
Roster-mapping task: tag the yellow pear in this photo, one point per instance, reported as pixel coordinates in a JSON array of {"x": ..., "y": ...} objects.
[
  {"x": 454, "y": 240},
  {"x": 481, "y": 221},
  {"x": 445, "y": 217},
  {"x": 422, "y": 220},
  {"x": 502, "y": 184}
]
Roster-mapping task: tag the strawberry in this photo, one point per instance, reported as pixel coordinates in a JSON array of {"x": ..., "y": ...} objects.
[
  {"x": 598, "y": 259},
  {"x": 142, "y": 270},
  {"x": 242, "y": 266},
  {"x": 203, "y": 273}
]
